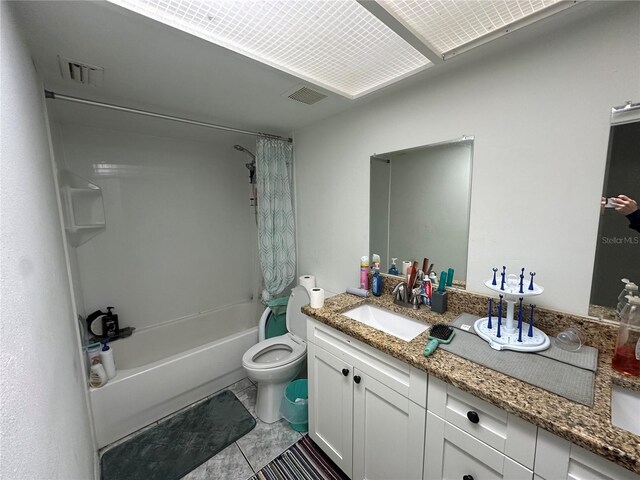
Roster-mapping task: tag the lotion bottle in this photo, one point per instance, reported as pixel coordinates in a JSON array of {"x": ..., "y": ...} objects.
[{"x": 106, "y": 356}]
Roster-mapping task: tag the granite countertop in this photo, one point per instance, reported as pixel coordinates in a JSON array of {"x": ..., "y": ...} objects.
[{"x": 590, "y": 428}]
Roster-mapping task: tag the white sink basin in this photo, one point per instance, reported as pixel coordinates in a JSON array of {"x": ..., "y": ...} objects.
[
  {"x": 392, "y": 323},
  {"x": 625, "y": 405}
]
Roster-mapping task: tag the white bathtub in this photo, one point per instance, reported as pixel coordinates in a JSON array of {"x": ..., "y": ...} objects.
[{"x": 164, "y": 368}]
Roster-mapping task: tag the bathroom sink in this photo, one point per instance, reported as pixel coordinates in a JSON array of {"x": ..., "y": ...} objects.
[
  {"x": 624, "y": 409},
  {"x": 389, "y": 322}
]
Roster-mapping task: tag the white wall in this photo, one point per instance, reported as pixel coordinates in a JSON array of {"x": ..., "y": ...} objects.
[
  {"x": 45, "y": 430},
  {"x": 180, "y": 234},
  {"x": 540, "y": 116}
]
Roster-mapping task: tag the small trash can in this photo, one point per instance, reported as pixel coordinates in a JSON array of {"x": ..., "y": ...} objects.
[{"x": 294, "y": 408}]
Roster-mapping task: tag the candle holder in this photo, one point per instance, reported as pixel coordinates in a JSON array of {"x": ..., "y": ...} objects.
[{"x": 531, "y": 339}]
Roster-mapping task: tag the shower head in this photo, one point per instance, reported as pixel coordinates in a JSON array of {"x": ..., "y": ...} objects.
[
  {"x": 240, "y": 148},
  {"x": 251, "y": 165}
]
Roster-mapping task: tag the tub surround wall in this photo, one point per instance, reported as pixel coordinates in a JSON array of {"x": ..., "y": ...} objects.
[
  {"x": 180, "y": 237},
  {"x": 539, "y": 110},
  {"x": 45, "y": 427},
  {"x": 587, "y": 427}
]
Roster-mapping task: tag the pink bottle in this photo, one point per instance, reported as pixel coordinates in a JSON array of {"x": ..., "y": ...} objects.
[{"x": 364, "y": 273}]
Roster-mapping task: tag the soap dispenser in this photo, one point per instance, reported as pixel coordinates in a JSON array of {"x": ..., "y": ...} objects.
[
  {"x": 626, "y": 359},
  {"x": 110, "y": 327},
  {"x": 394, "y": 269}
]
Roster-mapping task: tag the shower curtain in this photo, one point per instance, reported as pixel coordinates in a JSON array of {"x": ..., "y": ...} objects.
[{"x": 276, "y": 229}]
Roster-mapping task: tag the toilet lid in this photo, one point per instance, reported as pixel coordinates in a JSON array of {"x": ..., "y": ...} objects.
[
  {"x": 296, "y": 320},
  {"x": 274, "y": 352}
]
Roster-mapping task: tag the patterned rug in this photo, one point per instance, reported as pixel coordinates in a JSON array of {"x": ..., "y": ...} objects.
[
  {"x": 174, "y": 447},
  {"x": 302, "y": 461}
]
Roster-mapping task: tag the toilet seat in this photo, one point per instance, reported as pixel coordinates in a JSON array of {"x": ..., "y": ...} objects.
[{"x": 274, "y": 352}]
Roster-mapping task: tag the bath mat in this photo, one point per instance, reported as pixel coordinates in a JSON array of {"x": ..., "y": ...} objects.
[
  {"x": 568, "y": 374},
  {"x": 302, "y": 461},
  {"x": 176, "y": 446}
]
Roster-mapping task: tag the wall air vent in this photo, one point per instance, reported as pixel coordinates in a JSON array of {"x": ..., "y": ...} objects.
[
  {"x": 81, "y": 72},
  {"x": 305, "y": 95}
]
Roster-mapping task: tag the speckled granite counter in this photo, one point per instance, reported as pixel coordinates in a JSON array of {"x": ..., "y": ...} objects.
[{"x": 587, "y": 427}]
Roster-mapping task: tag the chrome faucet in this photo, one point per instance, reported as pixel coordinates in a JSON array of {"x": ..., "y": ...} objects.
[{"x": 405, "y": 297}]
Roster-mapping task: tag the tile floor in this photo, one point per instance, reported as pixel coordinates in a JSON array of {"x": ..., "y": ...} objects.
[{"x": 243, "y": 458}]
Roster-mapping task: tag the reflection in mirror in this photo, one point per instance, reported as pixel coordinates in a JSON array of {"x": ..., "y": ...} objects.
[
  {"x": 419, "y": 206},
  {"x": 618, "y": 247}
]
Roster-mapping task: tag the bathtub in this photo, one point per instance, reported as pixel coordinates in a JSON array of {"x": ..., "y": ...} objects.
[{"x": 163, "y": 368}]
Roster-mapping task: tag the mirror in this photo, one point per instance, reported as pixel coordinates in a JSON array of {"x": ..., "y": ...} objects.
[
  {"x": 618, "y": 247},
  {"x": 419, "y": 206}
]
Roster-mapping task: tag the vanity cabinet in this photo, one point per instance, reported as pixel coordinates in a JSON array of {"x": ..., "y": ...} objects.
[
  {"x": 366, "y": 409},
  {"x": 557, "y": 458},
  {"x": 469, "y": 438}
]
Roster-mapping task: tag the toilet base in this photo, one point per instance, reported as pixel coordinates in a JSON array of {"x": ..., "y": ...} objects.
[{"x": 268, "y": 401}]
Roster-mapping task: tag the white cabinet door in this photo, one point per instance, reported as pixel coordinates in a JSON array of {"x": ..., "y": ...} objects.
[
  {"x": 331, "y": 405},
  {"x": 559, "y": 459},
  {"x": 388, "y": 432},
  {"x": 452, "y": 454}
]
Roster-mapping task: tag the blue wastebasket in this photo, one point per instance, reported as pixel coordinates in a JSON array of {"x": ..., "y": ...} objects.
[{"x": 294, "y": 406}]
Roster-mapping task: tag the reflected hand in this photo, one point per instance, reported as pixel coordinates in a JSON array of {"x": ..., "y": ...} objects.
[{"x": 624, "y": 204}]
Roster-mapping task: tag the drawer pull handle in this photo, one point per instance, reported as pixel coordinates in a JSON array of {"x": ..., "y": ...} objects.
[
  {"x": 467, "y": 477},
  {"x": 473, "y": 418},
  {"x": 345, "y": 371},
  {"x": 357, "y": 379}
]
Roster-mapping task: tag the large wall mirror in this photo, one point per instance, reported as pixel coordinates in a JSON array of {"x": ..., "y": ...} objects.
[
  {"x": 618, "y": 247},
  {"x": 419, "y": 206}
]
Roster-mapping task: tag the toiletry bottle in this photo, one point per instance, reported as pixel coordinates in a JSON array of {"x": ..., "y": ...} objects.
[
  {"x": 376, "y": 282},
  {"x": 364, "y": 273},
  {"x": 626, "y": 359},
  {"x": 98, "y": 376},
  {"x": 630, "y": 288},
  {"x": 375, "y": 261},
  {"x": 93, "y": 352},
  {"x": 394, "y": 269},
  {"x": 106, "y": 356},
  {"x": 110, "y": 327}
]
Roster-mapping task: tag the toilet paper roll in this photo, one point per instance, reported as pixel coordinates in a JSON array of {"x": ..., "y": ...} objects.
[
  {"x": 316, "y": 295},
  {"x": 405, "y": 267},
  {"x": 307, "y": 281}
]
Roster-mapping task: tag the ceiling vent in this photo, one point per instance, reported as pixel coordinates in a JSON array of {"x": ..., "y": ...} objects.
[
  {"x": 81, "y": 72},
  {"x": 305, "y": 95}
]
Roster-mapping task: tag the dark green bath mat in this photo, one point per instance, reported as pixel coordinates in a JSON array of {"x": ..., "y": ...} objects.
[{"x": 178, "y": 445}]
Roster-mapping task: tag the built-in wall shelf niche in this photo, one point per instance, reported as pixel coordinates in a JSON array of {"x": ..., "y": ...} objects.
[{"x": 83, "y": 208}]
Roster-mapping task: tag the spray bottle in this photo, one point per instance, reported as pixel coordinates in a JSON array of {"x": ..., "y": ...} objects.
[{"x": 364, "y": 272}]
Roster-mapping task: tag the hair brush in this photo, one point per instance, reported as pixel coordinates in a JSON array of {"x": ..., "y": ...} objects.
[{"x": 439, "y": 333}]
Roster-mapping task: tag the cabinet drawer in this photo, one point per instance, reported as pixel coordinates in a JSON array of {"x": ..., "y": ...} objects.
[
  {"x": 404, "y": 379},
  {"x": 454, "y": 454},
  {"x": 507, "y": 433}
]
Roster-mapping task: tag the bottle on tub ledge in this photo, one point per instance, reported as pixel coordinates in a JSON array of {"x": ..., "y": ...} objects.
[
  {"x": 97, "y": 374},
  {"x": 106, "y": 357}
]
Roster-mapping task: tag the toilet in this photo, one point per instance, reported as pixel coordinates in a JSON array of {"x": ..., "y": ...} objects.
[{"x": 274, "y": 362}]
